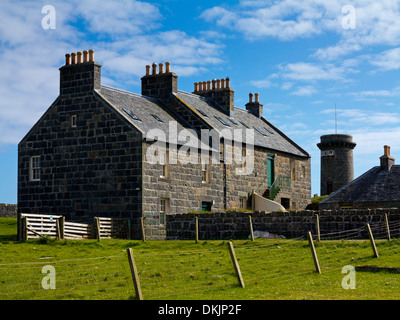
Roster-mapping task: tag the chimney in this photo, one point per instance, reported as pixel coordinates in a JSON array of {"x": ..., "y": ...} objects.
[
  {"x": 218, "y": 90},
  {"x": 255, "y": 107},
  {"x": 386, "y": 160},
  {"x": 77, "y": 76},
  {"x": 159, "y": 84}
]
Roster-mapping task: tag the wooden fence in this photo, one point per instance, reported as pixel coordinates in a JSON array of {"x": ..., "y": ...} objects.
[{"x": 33, "y": 226}]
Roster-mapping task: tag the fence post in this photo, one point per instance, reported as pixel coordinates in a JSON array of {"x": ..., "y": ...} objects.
[
  {"x": 235, "y": 264},
  {"x": 135, "y": 275},
  {"x": 197, "y": 228},
  {"x": 387, "y": 226},
  {"x": 251, "y": 228},
  {"x": 314, "y": 253},
  {"x": 317, "y": 227},
  {"x": 97, "y": 224},
  {"x": 58, "y": 232},
  {"x": 371, "y": 239},
  {"x": 62, "y": 227},
  {"x": 142, "y": 227}
]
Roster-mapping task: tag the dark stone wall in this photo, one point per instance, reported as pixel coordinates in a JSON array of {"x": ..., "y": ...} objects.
[
  {"x": 93, "y": 169},
  {"x": 8, "y": 210},
  {"x": 293, "y": 224}
]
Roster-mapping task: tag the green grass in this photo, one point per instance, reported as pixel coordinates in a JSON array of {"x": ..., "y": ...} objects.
[{"x": 272, "y": 269}]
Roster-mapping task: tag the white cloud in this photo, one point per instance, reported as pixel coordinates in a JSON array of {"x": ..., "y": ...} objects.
[
  {"x": 376, "y": 22},
  {"x": 387, "y": 60},
  {"x": 119, "y": 32},
  {"x": 304, "y": 91}
]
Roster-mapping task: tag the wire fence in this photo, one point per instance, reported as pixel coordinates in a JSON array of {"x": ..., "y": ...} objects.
[{"x": 202, "y": 271}]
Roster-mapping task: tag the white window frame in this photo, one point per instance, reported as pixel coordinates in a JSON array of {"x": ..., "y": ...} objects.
[
  {"x": 164, "y": 205},
  {"x": 242, "y": 202},
  {"x": 34, "y": 168}
]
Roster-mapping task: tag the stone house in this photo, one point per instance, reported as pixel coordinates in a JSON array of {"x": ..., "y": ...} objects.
[
  {"x": 379, "y": 187},
  {"x": 102, "y": 151}
]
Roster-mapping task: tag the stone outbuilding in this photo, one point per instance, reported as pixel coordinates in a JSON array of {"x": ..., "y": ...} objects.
[{"x": 379, "y": 187}]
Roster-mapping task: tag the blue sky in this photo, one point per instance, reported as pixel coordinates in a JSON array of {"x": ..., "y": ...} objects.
[{"x": 301, "y": 57}]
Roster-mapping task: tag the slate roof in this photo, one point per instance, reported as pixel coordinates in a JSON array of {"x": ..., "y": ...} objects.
[
  {"x": 145, "y": 108},
  {"x": 373, "y": 186},
  {"x": 273, "y": 139}
]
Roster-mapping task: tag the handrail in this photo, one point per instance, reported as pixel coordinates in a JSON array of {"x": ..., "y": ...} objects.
[{"x": 281, "y": 182}]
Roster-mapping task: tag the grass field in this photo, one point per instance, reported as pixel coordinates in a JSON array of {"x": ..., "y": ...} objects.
[{"x": 272, "y": 269}]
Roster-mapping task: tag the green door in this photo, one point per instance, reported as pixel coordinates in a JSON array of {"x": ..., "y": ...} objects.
[{"x": 270, "y": 170}]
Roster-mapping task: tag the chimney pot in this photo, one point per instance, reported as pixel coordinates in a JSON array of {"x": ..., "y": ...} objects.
[
  {"x": 85, "y": 56},
  {"x": 73, "y": 55},
  {"x": 161, "y": 68},
  {"x": 147, "y": 70},
  {"x": 167, "y": 67},
  {"x": 213, "y": 83},
  {"x": 67, "y": 59},
  {"x": 256, "y": 97},
  {"x": 218, "y": 84},
  {"x": 250, "y": 97},
  {"x": 196, "y": 86},
  {"x": 222, "y": 83},
  {"x": 79, "y": 57},
  {"x": 228, "y": 82},
  {"x": 204, "y": 85},
  {"x": 91, "y": 55},
  {"x": 208, "y": 85},
  {"x": 154, "y": 68},
  {"x": 386, "y": 150}
]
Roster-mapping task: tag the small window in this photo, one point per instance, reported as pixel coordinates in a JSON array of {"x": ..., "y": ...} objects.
[
  {"x": 157, "y": 118},
  {"x": 245, "y": 125},
  {"x": 260, "y": 131},
  {"x": 133, "y": 116},
  {"x": 165, "y": 165},
  {"x": 205, "y": 172},
  {"x": 242, "y": 202},
  {"x": 34, "y": 168},
  {"x": 164, "y": 205},
  {"x": 74, "y": 121},
  {"x": 268, "y": 130},
  {"x": 222, "y": 121},
  {"x": 206, "y": 206},
  {"x": 233, "y": 121},
  {"x": 202, "y": 113}
]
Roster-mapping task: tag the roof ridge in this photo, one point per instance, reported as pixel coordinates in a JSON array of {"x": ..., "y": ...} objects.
[{"x": 130, "y": 93}]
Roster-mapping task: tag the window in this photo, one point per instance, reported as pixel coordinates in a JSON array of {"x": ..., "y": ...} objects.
[
  {"x": 327, "y": 153},
  {"x": 293, "y": 169},
  {"x": 260, "y": 131},
  {"x": 329, "y": 187},
  {"x": 74, "y": 121},
  {"x": 34, "y": 172},
  {"x": 233, "y": 121},
  {"x": 268, "y": 130},
  {"x": 164, "y": 164},
  {"x": 157, "y": 118},
  {"x": 133, "y": 116},
  {"x": 245, "y": 125},
  {"x": 243, "y": 203},
  {"x": 222, "y": 121},
  {"x": 205, "y": 173},
  {"x": 164, "y": 205},
  {"x": 202, "y": 113},
  {"x": 206, "y": 206}
]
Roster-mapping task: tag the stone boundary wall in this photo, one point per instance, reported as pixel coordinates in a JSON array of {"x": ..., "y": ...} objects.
[
  {"x": 8, "y": 210},
  {"x": 293, "y": 224}
]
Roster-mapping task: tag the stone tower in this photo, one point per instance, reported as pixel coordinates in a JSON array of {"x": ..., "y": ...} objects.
[{"x": 336, "y": 161}]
